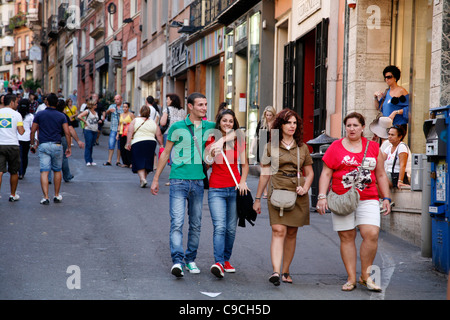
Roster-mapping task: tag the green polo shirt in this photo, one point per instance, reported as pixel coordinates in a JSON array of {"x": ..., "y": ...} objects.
[{"x": 186, "y": 160}]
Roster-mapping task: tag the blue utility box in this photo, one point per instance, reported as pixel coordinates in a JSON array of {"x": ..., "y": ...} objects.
[{"x": 437, "y": 152}]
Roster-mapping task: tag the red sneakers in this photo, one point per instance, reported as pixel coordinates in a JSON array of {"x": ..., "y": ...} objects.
[
  {"x": 228, "y": 267},
  {"x": 217, "y": 270}
]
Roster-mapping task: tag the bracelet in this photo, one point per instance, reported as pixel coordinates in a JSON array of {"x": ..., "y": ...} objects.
[
  {"x": 321, "y": 196},
  {"x": 257, "y": 198},
  {"x": 386, "y": 198},
  {"x": 209, "y": 159},
  {"x": 400, "y": 181}
]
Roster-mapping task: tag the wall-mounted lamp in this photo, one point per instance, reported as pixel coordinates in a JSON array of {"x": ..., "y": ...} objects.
[
  {"x": 351, "y": 4},
  {"x": 176, "y": 24}
]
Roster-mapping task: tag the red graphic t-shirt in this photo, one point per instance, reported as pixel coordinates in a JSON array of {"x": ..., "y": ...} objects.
[{"x": 345, "y": 169}]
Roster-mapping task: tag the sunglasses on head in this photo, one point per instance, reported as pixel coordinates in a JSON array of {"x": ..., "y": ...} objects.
[{"x": 396, "y": 100}]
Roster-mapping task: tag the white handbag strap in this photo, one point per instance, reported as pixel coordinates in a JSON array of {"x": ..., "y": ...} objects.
[{"x": 229, "y": 168}]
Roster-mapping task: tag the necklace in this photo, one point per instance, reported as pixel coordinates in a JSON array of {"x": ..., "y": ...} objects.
[
  {"x": 351, "y": 146},
  {"x": 287, "y": 145}
]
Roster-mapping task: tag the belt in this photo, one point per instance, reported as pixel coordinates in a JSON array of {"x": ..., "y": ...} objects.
[{"x": 289, "y": 174}]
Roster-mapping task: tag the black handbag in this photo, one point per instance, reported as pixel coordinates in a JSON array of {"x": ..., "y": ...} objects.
[
  {"x": 205, "y": 167},
  {"x": 244, "y": 202},
  {"x": 395, "y": 175},
  {"x": 164, "y": 127}
]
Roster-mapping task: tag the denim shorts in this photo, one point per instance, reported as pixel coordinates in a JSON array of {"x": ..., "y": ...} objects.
[
  {"x": 50, "y": 156},
  {"x": 112, "y": 141}
]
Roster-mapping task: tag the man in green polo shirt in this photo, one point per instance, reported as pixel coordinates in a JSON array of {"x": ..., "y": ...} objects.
[{"x": 186, "y": 181}]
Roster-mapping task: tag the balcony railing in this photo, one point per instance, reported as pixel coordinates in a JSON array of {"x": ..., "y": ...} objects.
[
  {"x": 95, "y": 3},
  {"x": 52, "y": 26},
  {"x": 17, "y": 21},
  {"x": 34, "y": 15},
  {"x": 21, "y": 55},
  {"x": 202, "y": 13},
  {"x": 99, "y": 29},
  {"x": 62, "y": 14}
]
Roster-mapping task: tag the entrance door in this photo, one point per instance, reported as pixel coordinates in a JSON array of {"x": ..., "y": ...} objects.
[
  {"x": 304, "y": 82},
  {"x": 304, "y": 88}
]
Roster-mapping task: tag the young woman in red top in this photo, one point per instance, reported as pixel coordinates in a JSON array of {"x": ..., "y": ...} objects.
[
  {"x": 222, "y": 187},
  {"x": 340, "y": 165}
]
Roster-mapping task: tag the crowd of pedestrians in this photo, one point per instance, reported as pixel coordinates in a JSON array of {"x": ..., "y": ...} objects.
[{"x": 190, "y": 145}]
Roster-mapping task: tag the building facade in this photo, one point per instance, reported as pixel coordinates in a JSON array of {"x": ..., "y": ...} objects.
[{"x": 321, "y": 58}]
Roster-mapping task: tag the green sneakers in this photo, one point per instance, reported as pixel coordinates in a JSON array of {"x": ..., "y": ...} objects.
[{"x": 192, "y": 267}]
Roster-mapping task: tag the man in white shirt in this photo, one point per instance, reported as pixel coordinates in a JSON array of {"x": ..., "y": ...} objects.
[{"x": 10, "y": 123}]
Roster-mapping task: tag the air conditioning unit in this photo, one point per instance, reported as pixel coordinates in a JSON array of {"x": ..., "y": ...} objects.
[{"x": 116, "y": 50}]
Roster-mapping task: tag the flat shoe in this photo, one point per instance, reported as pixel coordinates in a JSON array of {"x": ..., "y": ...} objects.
[
  {"x": 107, "y": 163},
  {"x": 369, "y": 284},
  {"x": 275, "y": 279},
  {"x": 285, "y": 277},
  {"x": 349, "y": 286}
]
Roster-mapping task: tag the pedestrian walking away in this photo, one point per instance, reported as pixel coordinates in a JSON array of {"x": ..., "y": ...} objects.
[
  {"x": 24, "y": 109},
  {"x": 343, "y": 165},
  {"x": 11, "y": 124},
  {"x": 288, "y": 150},
  {"x": 186, "y": 182},
  {"x": 141, "y": 142},
  {"x": 222, "y": 187},
  {"x": 114, "y": 110},
  {"x": 49, "y": 123},
  {"x": 66, "y": 174}
]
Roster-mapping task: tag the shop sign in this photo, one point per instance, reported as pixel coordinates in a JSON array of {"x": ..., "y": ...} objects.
[
  {"x": 7, "y": 56},
  {"x": 101, "y": 57},
  {"x": 132, "y": 49},
  {"x": 35, "y": 53},
  {"x": 206, "y": 47},
  {"x": 178, "y": 54},
  {"x": 306, "y": 8}
]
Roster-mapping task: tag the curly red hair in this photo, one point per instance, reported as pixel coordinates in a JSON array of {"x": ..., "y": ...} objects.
[{"x": 283, "y": 117}]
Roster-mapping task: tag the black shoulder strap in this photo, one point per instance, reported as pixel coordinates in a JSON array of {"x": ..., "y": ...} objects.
[{"x": 195, "y": 141}]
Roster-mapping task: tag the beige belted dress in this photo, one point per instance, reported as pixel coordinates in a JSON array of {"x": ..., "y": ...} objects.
[{"x": 284, "y": 176}]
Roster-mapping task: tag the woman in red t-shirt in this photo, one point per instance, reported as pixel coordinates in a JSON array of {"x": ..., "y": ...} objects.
[
  {"x": 340, "y": 163},
  {"x": 222, "y": 187}
]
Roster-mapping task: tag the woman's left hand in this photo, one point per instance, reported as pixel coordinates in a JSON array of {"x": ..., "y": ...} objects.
[
  {"x": 243, "y": 188},
  {"x": 301, "y": 191},
  {"x": 387, "y": 207}
]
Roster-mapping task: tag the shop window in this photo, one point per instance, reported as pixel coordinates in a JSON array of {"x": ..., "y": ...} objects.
[{"x": 411, "y": 52}]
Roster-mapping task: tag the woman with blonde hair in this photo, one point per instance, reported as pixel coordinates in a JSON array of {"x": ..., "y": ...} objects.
[
  {"x": 263, "y": 133},
  {"x": 124, "y": 122}
]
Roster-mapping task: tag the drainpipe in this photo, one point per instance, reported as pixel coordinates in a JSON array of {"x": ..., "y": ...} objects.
[{"x": 345, "y": 67}]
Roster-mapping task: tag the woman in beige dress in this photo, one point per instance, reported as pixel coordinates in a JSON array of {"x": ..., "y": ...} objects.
[{"x": 279, "y": 163}]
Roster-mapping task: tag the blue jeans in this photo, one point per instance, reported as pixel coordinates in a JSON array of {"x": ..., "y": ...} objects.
[
  {"x": 222, "y": 205},
  {"x": 182, "y": 191},
  {"x": 67, "y": 175},
  {"x": 89, "y": 141}
]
